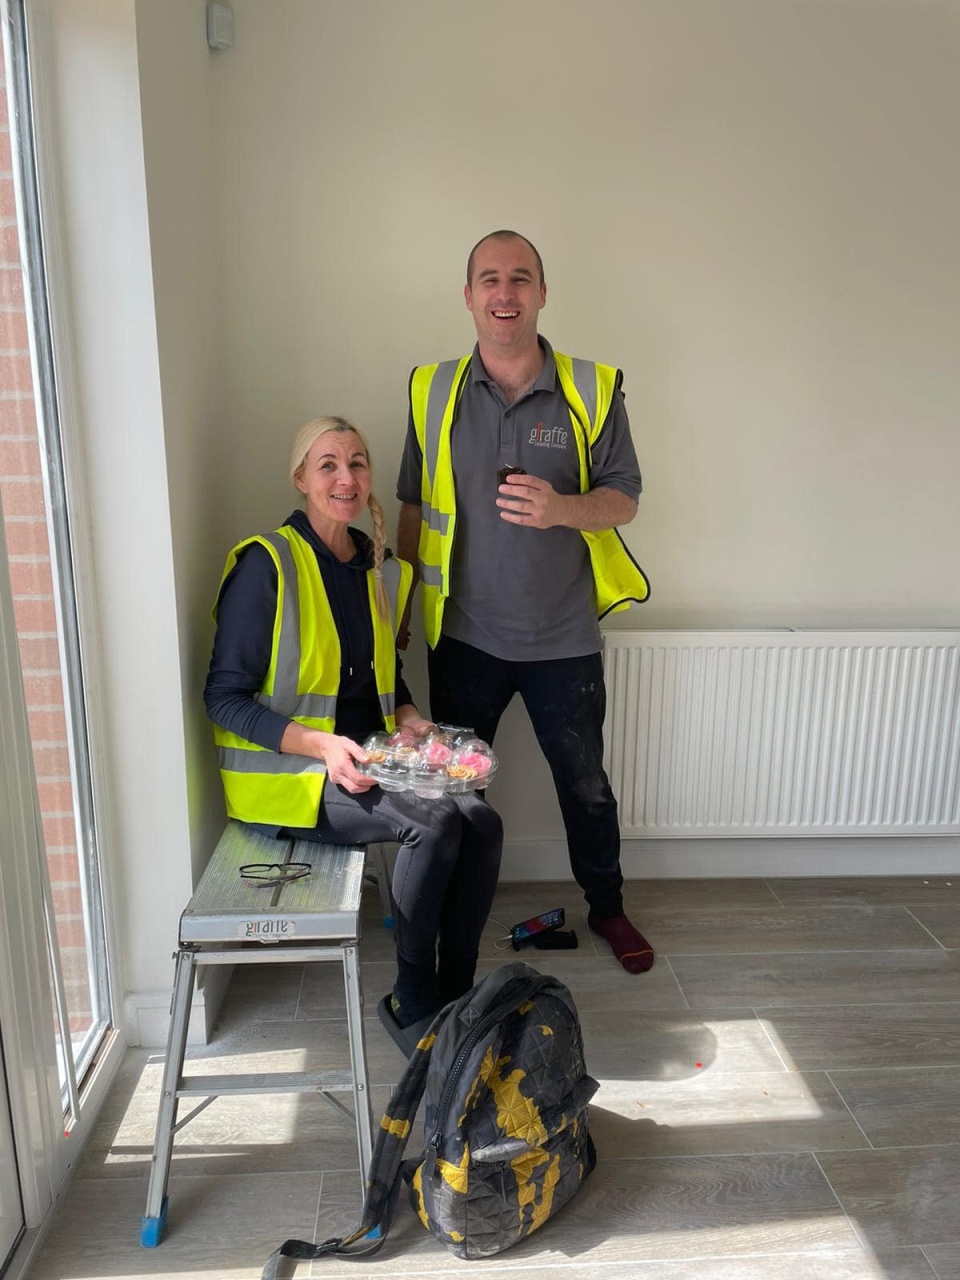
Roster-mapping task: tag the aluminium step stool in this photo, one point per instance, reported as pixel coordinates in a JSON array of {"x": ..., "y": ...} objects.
[{"x": 230, "y": 921}]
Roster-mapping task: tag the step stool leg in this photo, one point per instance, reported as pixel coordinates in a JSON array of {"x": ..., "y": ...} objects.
[
  {"x": 155, "y": 1217},
  {"x": 377, "y": 855},
  {"x": 358, "y": 1059}
]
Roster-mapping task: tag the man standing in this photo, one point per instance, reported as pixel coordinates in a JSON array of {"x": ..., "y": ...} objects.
[{"x": 518, "y": 465}]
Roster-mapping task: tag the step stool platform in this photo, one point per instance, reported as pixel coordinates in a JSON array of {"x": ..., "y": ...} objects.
[{"x": 323, "y": 905}]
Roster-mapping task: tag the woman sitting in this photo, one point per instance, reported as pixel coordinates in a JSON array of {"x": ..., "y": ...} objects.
[{"x": 304, "y": 667}]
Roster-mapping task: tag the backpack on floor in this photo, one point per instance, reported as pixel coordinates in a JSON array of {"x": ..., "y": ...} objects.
[{"x": 506, "y": 1140}]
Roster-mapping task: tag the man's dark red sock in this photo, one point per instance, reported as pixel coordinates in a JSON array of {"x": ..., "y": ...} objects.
[{"x": 629, "y": 946}]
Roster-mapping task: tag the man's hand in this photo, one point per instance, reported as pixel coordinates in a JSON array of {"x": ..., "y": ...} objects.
[
  {"x": 408, "y": 539},
  {"x": 526, "y": 499},
  {"x": 403, "y": 630},
  {"x": 530, "y": 501}
]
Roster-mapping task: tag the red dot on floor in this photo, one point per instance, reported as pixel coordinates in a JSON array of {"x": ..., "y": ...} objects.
[{"x": 698, "y": 1064}]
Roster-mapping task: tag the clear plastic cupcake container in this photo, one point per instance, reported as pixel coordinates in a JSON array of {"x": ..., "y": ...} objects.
[
  {"x": 454, "y": 734},
  {"x": 389, "y": 762},
  {"x": 472, "y": 765},
  {"x": 376, "y": 747},
  {"x": 429, "y": 780},
  {"x": 448, "y": 759}
]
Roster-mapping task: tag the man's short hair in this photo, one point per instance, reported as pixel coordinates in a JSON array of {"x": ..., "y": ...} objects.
[{"x": 503, "y": 235}]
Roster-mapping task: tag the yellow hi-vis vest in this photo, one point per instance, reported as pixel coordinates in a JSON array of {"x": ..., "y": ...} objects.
[
  {"x": 435, "y": 391},
  {"x": 302, "y": 681}
]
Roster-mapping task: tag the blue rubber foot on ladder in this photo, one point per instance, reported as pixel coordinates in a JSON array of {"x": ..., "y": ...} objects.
[
  {"x": 151, "y": 1229},
  {"x": 388, "y": 922}
]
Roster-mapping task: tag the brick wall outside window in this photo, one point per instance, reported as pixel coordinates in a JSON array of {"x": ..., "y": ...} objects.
[{"x": 28, "y": 550}]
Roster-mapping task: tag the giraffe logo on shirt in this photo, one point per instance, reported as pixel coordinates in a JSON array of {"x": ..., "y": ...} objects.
[{"x": 549, "y": 437}]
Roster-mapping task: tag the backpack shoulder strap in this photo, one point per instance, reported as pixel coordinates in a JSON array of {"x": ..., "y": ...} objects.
[{"x": 386, "y": 1167}]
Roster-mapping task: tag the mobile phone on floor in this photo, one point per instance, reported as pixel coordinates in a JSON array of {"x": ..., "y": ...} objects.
[{"x": 527, "y": 929}]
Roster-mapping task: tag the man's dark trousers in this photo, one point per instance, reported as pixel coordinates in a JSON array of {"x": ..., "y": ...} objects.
[{"x": 566, "y": 701}]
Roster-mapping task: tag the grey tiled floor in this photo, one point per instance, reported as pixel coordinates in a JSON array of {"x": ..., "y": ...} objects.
[{"x": 779, "y": 1098}]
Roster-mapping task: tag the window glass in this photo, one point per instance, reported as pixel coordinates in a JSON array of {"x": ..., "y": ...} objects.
[{"x": 37, "y": 527}]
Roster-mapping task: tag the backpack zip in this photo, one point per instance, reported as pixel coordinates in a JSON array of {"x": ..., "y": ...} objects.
[{"x": 533, "y": 988}]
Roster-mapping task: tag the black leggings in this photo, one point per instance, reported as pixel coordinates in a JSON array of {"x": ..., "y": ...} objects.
[{"x": 446, "y": 869}]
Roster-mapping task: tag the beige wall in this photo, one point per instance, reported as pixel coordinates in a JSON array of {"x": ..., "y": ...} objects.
[
  {"x": 750, "y": 206},
  {"x": 182, "y": 195}
]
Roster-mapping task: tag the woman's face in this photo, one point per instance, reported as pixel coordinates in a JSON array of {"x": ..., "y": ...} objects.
[{"x": 335, "y": 478}]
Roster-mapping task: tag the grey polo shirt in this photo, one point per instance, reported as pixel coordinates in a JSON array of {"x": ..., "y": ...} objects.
[{"x": 518, "y": 593}]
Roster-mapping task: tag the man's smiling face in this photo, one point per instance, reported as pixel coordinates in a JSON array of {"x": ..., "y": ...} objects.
[{"x": 505, "y": 295}]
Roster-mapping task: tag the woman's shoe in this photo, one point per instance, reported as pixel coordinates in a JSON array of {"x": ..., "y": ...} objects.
[{"x": 405, "y": 1038}]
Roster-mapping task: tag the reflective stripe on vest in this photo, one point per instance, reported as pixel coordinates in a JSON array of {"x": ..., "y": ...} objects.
[
  {"x": 435, "y": 519},
  {"x": 443, "y": 390},
  {"x": 239, "y": 760},
  {"x": 435, "y": 392},
  {"x": 285, "y": 789},
  {"x": 285, "y": 699}
]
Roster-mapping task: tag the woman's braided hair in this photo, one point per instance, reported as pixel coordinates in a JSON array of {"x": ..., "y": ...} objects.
[{"x": 304, "y": 441}]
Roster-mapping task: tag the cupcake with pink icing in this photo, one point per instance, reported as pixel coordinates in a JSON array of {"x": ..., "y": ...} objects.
[
  {"x": 471, "y": 765},
  {"x": 447, "y": 758}
]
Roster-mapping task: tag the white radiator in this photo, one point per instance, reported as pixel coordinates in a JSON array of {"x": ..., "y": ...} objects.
[{"x": 788, "y": 733}]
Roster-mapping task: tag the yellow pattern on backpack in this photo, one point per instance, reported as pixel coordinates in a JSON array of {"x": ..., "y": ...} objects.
[
  {"x": 516, "y": 1113},
  {"x": 457, "y": 1176},
  {"x": 398, "y": 1128}
]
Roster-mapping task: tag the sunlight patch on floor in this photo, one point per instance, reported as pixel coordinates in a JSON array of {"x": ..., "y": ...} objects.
[{"x": 731, "y": 1100}]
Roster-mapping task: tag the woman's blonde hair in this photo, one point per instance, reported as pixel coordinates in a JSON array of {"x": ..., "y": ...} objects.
[{"x": 303, "y": 442}]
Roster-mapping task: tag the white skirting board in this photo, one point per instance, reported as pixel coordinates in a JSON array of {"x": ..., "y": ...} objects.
[
  {"x": 721, "y": 858},
  {"x": 146, "y": 1014}
]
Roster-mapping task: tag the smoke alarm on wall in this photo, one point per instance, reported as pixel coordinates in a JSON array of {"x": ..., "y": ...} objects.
[{"x": 219, "y": 26}]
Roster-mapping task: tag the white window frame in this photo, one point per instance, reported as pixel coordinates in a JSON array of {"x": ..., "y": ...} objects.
[{"x": 47, "y": 1150}]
